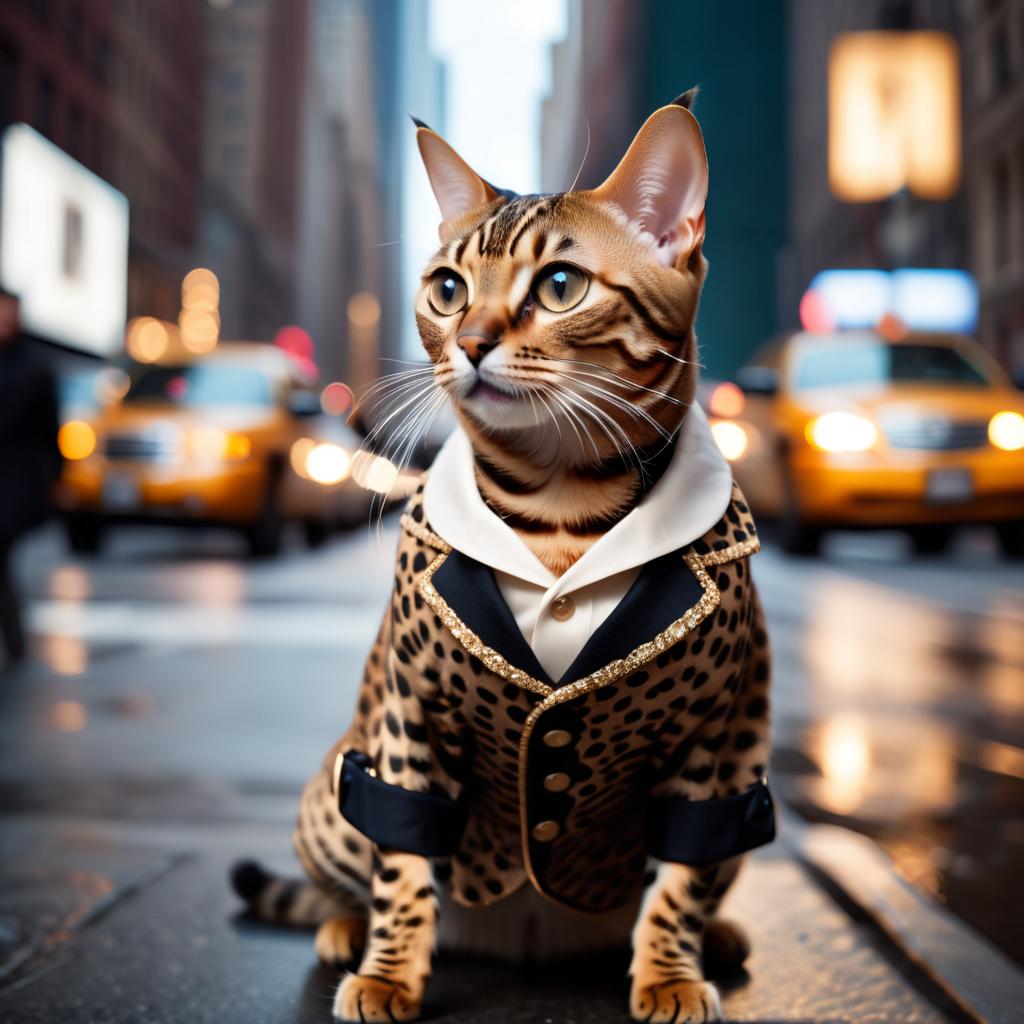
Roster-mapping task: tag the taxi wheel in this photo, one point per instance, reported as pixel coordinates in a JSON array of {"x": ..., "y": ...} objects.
[
  {"x": 265, "y": 535},
  {"x": 796, "y": 536},
  {"x": 1011, "y": 538},
  {"x": 316, "y": 532},
  {"x": 931, "y": 540},
  {"x": 84, "y": 537}
]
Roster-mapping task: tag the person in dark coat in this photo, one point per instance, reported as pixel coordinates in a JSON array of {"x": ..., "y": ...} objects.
[{"x": 29, "y": 458}]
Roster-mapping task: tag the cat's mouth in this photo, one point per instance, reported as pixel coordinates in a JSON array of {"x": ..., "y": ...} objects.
[{"x": 488, "y": 392}]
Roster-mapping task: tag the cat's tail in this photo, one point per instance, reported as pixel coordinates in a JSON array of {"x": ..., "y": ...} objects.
[{"x": 286, "y": 901}]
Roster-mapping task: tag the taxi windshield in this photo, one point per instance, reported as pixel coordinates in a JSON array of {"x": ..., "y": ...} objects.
[
  {"x": 854, "y": 364},
  {"x": 200, "y": 385}
]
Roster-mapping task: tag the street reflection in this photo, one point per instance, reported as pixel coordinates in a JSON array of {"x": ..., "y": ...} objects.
[
  {"x": 66, "y": 655},
  {"x": 900, "y": 713},
  {"x": 68, "y": 716},
  {"x": 844, "y": 754}
]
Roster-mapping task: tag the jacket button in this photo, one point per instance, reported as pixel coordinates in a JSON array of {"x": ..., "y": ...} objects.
[
  {"x": 563, "y": 608},
  {"x": 556, "y": 782},
  {"x": 545, "y": 831},
  {"x": 557, "y": 738}
]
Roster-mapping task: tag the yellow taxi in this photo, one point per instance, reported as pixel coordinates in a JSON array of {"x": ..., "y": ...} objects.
[
  {"x": 232, "y": 439},
  {"x": 862, "y": 428}
]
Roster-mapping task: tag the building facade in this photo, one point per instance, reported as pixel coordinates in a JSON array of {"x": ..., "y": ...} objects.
[
  {"x": 994, "y": 140},
  {"x": 620, "y": 62},
  {"x": 116, "y": 84}
]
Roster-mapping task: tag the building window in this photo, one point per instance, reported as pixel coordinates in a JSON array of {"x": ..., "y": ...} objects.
[
  {"x": 76, "y": 131},
  {"x": 999, "y": 55},
  {"x": 1001, "y": 210},
  {"x": 76, "y": 31},
  {"x": 44, "y": 105},
  {"x": 8, "y": 83},
  {"x": 101, "y": 58}
]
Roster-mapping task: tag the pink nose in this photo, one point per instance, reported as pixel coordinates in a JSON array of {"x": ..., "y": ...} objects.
[{"x": 476, "y": 346}]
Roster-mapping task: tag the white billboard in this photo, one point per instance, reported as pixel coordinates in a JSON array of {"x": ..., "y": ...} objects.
[{"x": 63, "y": 245}]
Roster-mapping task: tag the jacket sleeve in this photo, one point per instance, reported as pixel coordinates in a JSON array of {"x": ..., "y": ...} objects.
[
  {"x": 400, "y": 781},
  {"x": 714, "y": 802}
]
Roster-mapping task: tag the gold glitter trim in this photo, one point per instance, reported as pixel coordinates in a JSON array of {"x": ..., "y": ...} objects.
[
  {"x": 469, "y": 640},
  {"x": 730, "y": 554},
  {"x": 421, "y": 532}
]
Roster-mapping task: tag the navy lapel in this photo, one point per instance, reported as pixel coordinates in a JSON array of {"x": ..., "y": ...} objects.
[
  {"x": 471, "y": 591},
  {"x": 662, "y": 593}
]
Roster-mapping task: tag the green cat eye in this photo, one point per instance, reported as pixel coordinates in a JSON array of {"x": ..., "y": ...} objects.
[
  {"x": 561, "y": 287},
  {"x": 448, "y": 293}
]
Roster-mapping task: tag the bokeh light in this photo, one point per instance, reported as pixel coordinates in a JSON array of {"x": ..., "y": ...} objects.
[
  {"x": 76, "y": 440},
  {"x": 731, "y": 439},
  {"x": 147, "y": 339},
  {"x": 336, "y": 399},
  {"x": 328, "y": 464}
]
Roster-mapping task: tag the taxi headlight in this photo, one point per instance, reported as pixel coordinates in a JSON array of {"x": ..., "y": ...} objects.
[
  {"x": 731, "y": 439},
  {"x": 214, "y": 444},
  {"x": 841, "y": 432},
  {"x": 1006, "y": 431}
]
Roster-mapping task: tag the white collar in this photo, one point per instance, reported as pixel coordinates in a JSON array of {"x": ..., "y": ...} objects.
[{"x": 691, "y": 496}]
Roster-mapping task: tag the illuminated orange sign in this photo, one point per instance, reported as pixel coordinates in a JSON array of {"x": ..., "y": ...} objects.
[{"x": 894, "y": 115}]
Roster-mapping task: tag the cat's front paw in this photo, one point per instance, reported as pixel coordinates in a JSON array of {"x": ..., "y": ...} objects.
[
  {"x": 675, "y": 1002},
  {"x": 361, "y": 999}
]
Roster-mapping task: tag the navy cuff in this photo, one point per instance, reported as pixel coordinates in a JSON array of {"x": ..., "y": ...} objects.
[
  {"x": 397, "y": 818},
  {"x": 702, "y": 832}
]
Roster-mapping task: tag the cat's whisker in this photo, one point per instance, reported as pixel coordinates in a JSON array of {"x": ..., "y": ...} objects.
[
  {"x": 600, "y": 418},
  {"x": 679, "y": 359},
  {"x": 573, "y": 419},
  {"x": 631, "y": 385},
  {"x": 616, "y": 402}
]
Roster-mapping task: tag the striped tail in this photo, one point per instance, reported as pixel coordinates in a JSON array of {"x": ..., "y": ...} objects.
[{"x": 286, "y": 901}]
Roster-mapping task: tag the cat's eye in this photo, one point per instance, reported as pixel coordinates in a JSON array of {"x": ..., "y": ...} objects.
[
  {"x": 561, "y": 287},
  {"x": 448, "y": 293}
]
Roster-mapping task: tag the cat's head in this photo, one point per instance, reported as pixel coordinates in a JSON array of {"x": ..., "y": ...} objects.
[{"x": 571, "y": 311}]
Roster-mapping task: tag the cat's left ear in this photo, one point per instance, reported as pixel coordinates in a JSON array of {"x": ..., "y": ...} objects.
[
  {"x": 457, "y": 187},
  {"x": 661, "y": 183}
]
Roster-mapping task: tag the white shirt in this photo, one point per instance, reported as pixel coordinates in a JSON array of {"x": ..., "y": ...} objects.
[{"x": 558, "y": 614}]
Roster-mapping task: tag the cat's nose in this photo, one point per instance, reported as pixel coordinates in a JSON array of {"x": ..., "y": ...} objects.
[{"x": 476, "y": 345}]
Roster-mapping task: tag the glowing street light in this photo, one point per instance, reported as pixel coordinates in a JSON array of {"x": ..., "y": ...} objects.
[{"x": 893, "y": 115}]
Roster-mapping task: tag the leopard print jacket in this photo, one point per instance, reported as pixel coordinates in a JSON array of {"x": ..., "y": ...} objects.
[{"x": 654, "y": 742}]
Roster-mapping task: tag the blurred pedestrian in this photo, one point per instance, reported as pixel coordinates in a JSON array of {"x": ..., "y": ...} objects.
[{"x": 29, "y": 458}]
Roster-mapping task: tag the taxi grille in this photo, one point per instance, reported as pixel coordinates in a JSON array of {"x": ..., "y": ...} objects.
[
  {"x": 141, "y": 447},
  {"x": 937, "y": 434}
]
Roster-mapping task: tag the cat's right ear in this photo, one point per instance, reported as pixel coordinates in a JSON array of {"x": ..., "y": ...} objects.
[{"x": 457, "y": 187}]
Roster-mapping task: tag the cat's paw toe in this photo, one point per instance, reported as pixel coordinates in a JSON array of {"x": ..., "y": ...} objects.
[
  {"x": 340, "y": 941},
  {"x": 369, "y": 1000},
  {"x": 675, "y": 1002}
]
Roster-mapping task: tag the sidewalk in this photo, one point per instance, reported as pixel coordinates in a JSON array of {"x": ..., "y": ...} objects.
[{"x": 134, "y": 923}]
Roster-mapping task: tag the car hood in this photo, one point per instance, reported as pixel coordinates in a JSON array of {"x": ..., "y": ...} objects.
[
  {"x": 146, "y": 416},
  {"x": 917, "y": 402}
]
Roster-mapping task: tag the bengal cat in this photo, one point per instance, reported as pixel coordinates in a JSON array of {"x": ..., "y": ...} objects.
[{"x": 561, "y": 328}]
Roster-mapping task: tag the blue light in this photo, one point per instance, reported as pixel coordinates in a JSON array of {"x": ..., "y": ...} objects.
[
  {"x": 935, "y": 300},
  {"x": 922, "y": 299},
  {"x": 853, "y": 298}
]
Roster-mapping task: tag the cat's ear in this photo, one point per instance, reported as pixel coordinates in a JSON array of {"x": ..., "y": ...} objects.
[
  {"x": 661, "y": 184},
  {"x": 457, "y": 187}
]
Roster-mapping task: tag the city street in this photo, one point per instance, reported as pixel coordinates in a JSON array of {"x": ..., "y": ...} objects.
[{"x": 181, "y": 693}]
